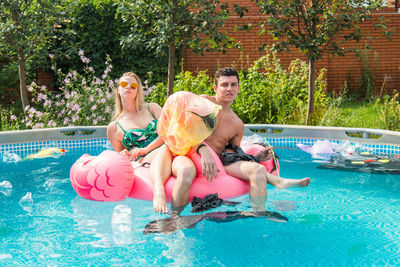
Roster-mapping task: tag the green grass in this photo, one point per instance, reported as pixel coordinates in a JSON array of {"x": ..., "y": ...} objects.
[{"x": 361, "y": 115}]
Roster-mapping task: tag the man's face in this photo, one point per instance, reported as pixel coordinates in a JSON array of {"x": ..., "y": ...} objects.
[{"x": 227, "y": 88}]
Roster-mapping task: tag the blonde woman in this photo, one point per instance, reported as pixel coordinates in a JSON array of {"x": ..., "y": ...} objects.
[{"x": 133, "y": 133}]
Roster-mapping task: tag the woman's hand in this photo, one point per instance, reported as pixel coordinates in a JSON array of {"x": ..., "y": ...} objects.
[
  {"x": 127, "y": 154},
  {"x": 137, "y": 152}
]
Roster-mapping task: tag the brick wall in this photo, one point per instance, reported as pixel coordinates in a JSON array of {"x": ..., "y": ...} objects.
[
  {"x": 386, "y": 58},
  {"x": 45, "y": 78}
]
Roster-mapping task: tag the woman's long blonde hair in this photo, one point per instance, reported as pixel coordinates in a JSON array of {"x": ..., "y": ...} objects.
[{"x": 139, "y": 95}]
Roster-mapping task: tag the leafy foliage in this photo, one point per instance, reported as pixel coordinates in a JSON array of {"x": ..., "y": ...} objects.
[
  {"x": 315, "y": 27},
  {"x": 11, "y": 119},
  {"x": 98, "y": 28},
  {"x": 366, "y": 83},
  {"x": 26, "y": 25},
  {"x": 172, "y": 25},
  {"x": 270, "y": 94},
  {"x": 199, "y": 84},
  {"x": 25, "y": 29},
  {"x": 82, "y": 99},
  {"x": 390, "y": 113}
]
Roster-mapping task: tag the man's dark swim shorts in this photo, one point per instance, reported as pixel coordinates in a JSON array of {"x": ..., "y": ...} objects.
[{"x": 227, "y": 158}]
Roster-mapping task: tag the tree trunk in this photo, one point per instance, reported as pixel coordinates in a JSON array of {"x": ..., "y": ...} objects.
[
  {"x": 22, "y": 79},
  {"x": 311, "y": 91},
  {"x": 171, "y": 67}
]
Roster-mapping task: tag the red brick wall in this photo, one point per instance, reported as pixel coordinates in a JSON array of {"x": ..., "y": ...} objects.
[
  {"x": 387, "y": 53},
  {"x": 45, "y": 78}
]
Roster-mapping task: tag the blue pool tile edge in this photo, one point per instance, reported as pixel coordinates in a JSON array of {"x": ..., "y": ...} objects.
[{"x": 34, "y": 147}]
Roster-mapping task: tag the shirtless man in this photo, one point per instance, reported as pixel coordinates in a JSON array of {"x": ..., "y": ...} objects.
[{"x": 226, "y": 138}]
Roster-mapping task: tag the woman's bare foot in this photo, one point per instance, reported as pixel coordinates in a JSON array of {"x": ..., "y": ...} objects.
[
  {"x": 286, "y": 183},
  {"x": 159, "y": 203}
]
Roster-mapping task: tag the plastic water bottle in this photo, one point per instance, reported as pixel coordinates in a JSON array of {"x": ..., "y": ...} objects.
[
  {"x": 121, "y": 222},
  {"x": 26, "y": 202},
  {"x": 10, "y": 157},
  {"x": 6, "y": 188}
]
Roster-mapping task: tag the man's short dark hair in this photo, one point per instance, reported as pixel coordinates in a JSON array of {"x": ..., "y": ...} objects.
[{"x": 226, "y": 71}]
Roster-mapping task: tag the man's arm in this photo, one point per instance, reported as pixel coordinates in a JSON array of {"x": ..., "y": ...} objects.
[
  {"x": 208, "y": 163},
  {"x": 237, "y": 138}
]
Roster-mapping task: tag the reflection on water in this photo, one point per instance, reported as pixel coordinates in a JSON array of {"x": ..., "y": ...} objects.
[
  {"x": 342, "y": 218},
  {"x": 110, "y": 222}
]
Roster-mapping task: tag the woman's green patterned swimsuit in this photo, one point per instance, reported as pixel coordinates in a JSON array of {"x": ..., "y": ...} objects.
[{"x": 140, "y": 137}]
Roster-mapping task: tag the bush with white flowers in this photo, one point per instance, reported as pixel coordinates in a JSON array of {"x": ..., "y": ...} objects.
[{"x": 81, "y": 99}]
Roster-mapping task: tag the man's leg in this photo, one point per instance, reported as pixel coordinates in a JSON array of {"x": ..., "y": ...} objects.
[
  {"x": 255, "y": 174},
  {"x": 280, "y": 182},
  {"x": 184, "y": 170}
]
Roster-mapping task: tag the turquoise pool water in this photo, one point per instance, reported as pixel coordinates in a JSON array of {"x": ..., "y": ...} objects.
[{"x": 342, "y": 218}]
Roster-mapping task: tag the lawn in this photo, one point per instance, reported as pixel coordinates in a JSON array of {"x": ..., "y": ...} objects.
[{"x": 361, "y": 115}]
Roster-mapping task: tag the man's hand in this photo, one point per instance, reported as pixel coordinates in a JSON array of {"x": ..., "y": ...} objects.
[
  {"x": 208, "y": 164},
  {"x": 265, "y": 154}
]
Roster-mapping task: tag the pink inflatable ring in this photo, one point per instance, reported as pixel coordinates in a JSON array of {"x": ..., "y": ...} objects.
[{"x": 110, "y": 176}]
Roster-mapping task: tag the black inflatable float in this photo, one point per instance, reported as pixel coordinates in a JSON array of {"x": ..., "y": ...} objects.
[{"x": 364, "y": 162}]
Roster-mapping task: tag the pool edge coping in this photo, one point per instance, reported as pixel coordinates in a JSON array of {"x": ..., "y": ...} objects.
[{"x": 266, "y": 130}]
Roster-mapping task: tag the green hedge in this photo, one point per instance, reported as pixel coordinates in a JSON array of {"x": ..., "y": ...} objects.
[{"x": 268, "y": 92}]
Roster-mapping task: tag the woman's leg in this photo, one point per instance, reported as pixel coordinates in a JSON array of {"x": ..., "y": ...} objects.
[
  {"x": 184, "y": 170},
  {"x": 160, "y": 171}
]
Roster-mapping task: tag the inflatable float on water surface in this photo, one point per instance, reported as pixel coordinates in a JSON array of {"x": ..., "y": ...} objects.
[
  {"x": 110, "y": 176},
  {"x": 345, "y": 157},
  {"x": 363, "y": 162},
  {"x": 186, "y": 120}
]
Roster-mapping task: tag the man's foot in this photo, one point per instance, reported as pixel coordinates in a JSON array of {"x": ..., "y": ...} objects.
[
  {"x": 270, "y": 215},
  {"x": 159, "y": 203},
  {"x": 286, "y": 183},
  {"x": 172, "y": 224}
]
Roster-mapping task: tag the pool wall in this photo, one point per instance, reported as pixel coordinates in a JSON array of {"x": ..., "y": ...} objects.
[{"x": 286, "y": 136}]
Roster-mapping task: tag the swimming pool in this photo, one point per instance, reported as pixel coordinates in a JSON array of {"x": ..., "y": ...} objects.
[{"x": 342, "y": 218}]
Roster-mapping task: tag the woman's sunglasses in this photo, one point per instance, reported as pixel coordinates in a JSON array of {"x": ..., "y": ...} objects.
[{"x": 125, "y": 84}]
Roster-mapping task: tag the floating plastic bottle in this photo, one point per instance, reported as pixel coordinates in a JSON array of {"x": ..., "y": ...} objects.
[
  {"x": 6, "y": 188},
  {"x": 10, "y": 157},
  {"x": 26, "y": 202},
  {"x": 122, "y": 225}
]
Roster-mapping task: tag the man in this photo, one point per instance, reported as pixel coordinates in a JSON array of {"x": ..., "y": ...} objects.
[{"x": 226, "y": 139}]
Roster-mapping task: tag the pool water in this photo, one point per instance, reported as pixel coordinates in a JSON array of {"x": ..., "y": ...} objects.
[{"x": 342, "y": 218}]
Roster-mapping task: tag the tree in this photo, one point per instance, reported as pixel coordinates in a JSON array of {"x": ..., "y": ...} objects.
[
  {"x": 315, "y": 27},
  {"x": 96, "y": 27},
  {"x": 24, "y": 30},
  {"x": 175, "y": 24}
]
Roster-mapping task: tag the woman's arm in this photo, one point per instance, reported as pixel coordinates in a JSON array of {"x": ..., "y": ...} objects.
[
  {"x": 136, "y": 152},
  {"x": 155, "y": 109},
  {"x": 115, "y": 141},
  {"x": 113, "y": 137}
]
